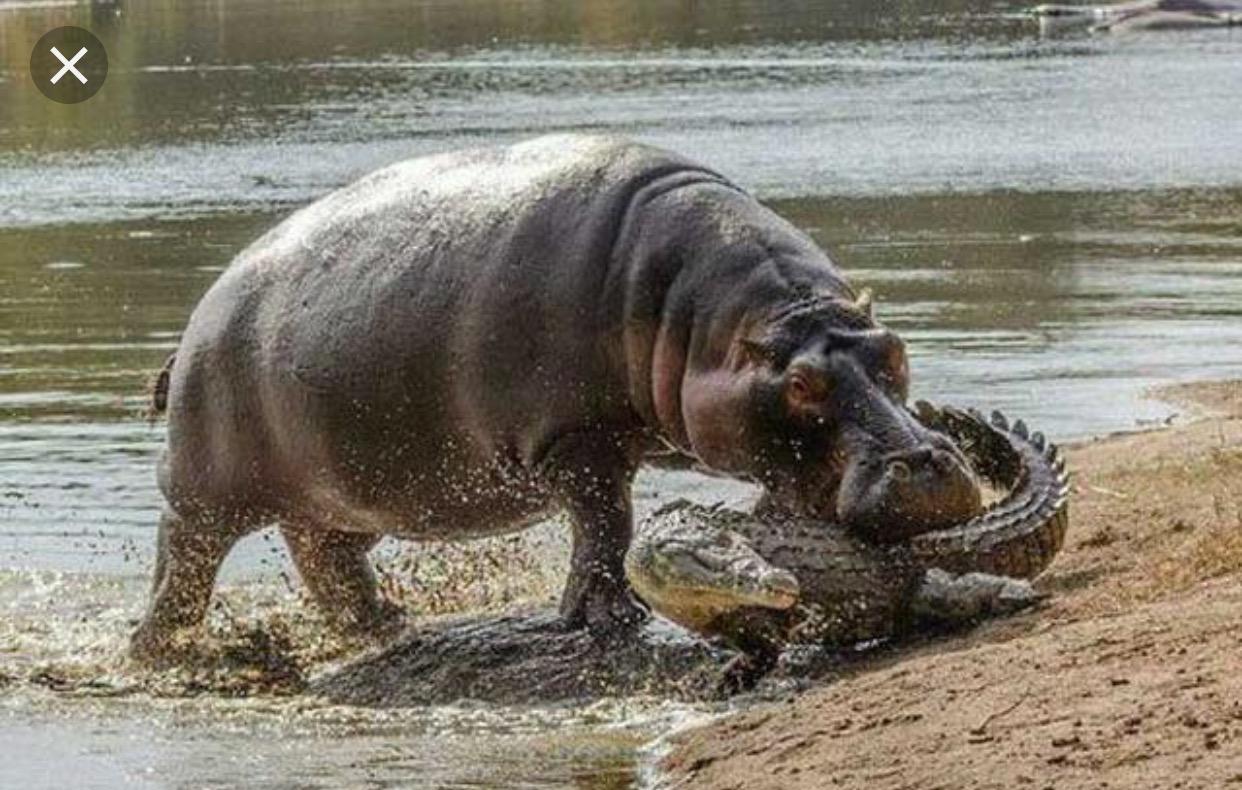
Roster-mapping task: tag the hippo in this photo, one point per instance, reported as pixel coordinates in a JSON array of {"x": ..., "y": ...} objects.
[{"x": 464, "y": 344}]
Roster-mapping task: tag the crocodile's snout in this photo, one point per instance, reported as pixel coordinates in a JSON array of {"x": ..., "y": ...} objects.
[
  {"x": 725, "y": 564},
  {"x": 695, "y": 575}
]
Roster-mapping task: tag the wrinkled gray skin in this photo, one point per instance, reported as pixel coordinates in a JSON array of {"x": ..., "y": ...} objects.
[{"x": 458, "y": 345}]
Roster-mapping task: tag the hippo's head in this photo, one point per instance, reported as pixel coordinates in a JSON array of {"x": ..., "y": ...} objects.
[{"x": 815, "y": 410}]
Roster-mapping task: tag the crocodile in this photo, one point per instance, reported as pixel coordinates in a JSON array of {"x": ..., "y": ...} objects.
[{"x": 762, "y": 580}]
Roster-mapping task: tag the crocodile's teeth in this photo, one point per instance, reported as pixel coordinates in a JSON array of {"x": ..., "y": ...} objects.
[
  {"x": 1000, "y": 421},
  {"x": 1039, "y": 441}
]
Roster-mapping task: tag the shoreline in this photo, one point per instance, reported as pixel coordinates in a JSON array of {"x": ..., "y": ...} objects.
[{"x": 1130, "y": 675}]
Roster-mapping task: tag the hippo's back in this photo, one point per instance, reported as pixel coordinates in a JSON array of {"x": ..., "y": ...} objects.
[
  {"x": 455, "y": 297},
  {"x": 431, "y": 204}
]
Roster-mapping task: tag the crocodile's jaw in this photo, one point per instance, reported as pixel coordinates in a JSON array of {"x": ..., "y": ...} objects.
[
  {"x": 696, "y": 581},
  {"x": 701, "y": 610},
  {"x": 698, "y": 609}
]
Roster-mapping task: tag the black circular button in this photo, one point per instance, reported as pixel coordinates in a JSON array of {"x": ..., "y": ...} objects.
[{"x": 69, "y": 65}]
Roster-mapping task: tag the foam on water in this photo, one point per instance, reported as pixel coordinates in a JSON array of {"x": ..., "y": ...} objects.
[{"x": 66, "y": 689}]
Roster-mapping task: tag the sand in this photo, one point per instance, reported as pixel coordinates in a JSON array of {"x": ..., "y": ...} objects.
[{"x": 1130, "y": 676}]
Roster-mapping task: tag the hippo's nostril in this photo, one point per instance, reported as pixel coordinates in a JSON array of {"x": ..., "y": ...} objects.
[
  {"x": 922, "y": 456},
  {"x": 900, "y": 470}
]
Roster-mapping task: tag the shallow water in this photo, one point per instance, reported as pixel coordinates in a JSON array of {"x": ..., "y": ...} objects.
[{"x": 1053, "y": 224}]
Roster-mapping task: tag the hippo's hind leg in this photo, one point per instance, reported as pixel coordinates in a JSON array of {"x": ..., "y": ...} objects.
[
  {"x": 336, "y": 571},
  {"x": 591, "y": 474},
  {"x": 189, "y": 553}
]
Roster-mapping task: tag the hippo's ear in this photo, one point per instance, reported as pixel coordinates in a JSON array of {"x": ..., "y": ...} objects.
[
  {"x": 807, "y": 385},
  {"x": 865, "y": 303}
]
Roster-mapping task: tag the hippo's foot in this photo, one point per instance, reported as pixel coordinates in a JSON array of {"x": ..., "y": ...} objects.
[
  {"x": 188, "y": 555},
  {"x": 381, "y": 621},
  {"x": 334, "y": 568},
  {"x": 946, "y": 598},
  {"x": 604, "y": 608},
  {"x": 153, "y": 647}
]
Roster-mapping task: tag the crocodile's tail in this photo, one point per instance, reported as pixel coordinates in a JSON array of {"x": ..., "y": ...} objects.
[
  {"x": 1019, "y": 535},
  {"x": 159, "y": 388}
]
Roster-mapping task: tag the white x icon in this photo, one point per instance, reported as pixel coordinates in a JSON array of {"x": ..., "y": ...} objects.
[{"x": 69, "y": 65}]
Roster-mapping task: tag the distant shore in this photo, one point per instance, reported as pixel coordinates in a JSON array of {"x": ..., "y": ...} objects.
[{"x": 1130, "y": 676}]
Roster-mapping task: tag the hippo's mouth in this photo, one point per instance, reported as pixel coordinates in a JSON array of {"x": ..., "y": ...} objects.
[
  {"x": 896, "y": 496},
  {"x": 987, "y": 468},
  {"x": 887, "y": 495}
]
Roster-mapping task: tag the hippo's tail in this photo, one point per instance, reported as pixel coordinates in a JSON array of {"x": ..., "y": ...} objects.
[{"x": 158, "y": 388}]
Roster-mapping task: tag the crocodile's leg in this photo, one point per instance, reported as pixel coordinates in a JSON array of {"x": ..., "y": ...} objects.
[
  {"x": 945, "y": 598},
  {"x": 744, "y": 671},
  {"x": 759, "y": 641}
]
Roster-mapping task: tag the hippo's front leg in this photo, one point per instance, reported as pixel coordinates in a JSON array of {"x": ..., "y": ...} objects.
[{"x": 590, "y": 473}]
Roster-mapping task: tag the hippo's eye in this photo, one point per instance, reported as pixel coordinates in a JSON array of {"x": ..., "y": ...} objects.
[
  {"x": 894, "y": 382},
  {"x": 807, "y": 386},
  {"x": 894, "y": 375}
]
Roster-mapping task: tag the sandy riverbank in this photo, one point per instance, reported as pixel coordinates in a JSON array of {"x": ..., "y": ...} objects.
[{"x": 1130, "y": 676}]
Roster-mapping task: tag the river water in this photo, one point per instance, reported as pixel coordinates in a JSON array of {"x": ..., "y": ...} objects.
[{"x": 1053, "y": 224}]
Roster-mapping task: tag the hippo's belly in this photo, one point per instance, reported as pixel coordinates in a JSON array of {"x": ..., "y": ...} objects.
[
  {"x": 488, "y": 505},
  {"x": 390, "y": 458}
]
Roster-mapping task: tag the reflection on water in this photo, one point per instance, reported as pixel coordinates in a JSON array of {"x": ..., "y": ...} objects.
[
  {"x": 1052, "y": 224},
  {"x": 1062, "y": 307},
  {"x": 258, "y": 105}
]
